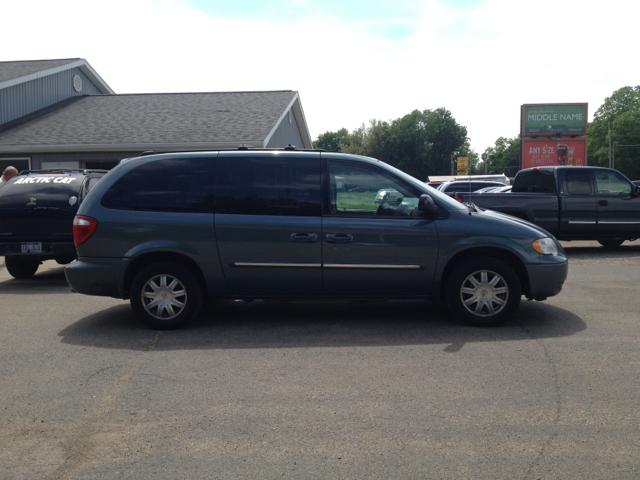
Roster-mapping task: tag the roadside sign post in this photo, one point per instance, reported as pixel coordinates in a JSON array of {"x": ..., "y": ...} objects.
[{"x": 463, "y": 166}]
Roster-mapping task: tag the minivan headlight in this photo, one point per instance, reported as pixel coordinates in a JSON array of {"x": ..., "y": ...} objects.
[{"x": 545, "y": 246}]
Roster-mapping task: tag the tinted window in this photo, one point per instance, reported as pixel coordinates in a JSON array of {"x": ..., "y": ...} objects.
[
  {"x": 361, "y": 190},
  {"x": 578, "y": 182},
  {"x": 170, "y": 185},
  {"x": 610, "y": 183},
  {"x": 48, "y": 190},
  {"x": 535, "y": 181},
  {"x": 269, "y": 186}
]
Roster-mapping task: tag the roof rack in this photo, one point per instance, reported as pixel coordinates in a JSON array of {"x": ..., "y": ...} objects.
[
  {"x": 241, "y": 147},
  {"x": 63, "y": 170}
]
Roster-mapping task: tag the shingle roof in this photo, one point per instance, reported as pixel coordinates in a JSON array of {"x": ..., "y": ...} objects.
[
  {"x": 154, "y": 119},
  {"x": 11, "y": 70}
]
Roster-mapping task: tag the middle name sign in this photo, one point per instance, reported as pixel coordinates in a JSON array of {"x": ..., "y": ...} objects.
[
  {"x": 545, "y": 152},
  {"x": 553, "y": 119}
]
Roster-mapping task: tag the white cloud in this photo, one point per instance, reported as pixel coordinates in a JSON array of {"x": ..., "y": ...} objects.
[{"x": 481, "y": 63}]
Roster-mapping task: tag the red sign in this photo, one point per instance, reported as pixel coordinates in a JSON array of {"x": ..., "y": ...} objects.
[{"x": 541, "y": 153}]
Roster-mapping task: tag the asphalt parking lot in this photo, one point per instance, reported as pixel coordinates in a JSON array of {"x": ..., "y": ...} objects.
[{"x": 384, "y": 390}]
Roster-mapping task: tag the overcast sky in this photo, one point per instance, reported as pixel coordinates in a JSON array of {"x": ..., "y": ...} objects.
[{"x": 351, "y": 61}]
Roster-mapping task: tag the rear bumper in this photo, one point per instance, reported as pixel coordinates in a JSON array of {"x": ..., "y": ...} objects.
[
  {"x": 97, "y": 276},
  {"x": 546, "y": 279},
  {"x": 50, "y": 250}
]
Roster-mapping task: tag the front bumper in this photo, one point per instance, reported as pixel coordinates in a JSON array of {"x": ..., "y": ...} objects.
[
  {"x": 98, "y": 276},
  {"x": 546, "y": 279}
]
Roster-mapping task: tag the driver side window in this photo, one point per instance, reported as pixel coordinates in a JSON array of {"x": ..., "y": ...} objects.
[
  {"x": 360, "y": 190},
  {"x": 609, "y": 183}
]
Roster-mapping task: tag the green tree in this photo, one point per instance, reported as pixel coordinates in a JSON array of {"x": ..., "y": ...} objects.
[
  {"x": 420, "y": 143},
  {"x": 332, "y": 141},
  {"x": 503, "y": 158},
  {"x": 627, "y": 143},
  {"x": 623, "y": 100},
  {"x": 368, "y": 140},
  {"x": 622, "y": 111}
]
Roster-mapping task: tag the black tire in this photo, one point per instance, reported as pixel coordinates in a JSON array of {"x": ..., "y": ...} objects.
[
  {"x": 178, "y": 301},
  {"x": 496, "y": 282},
  {"x": 21, "y": 267},
  {"x": 611, "y": 243}
]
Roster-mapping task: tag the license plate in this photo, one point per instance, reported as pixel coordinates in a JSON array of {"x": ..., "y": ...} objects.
[{"x": 31, "y": 247}]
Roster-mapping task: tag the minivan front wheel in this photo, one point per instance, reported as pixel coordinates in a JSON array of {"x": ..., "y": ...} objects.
[
  {"x": 21, "y": 267},
  {"x": 165, "y": 295},
  {"x": 483, "y": 291}
]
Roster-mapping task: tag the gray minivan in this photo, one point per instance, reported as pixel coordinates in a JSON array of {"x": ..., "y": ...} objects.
[{"x": 170, "y": 230}]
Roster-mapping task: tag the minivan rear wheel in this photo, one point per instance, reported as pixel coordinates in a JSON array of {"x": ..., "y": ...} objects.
[
  {"x": 483, "y": 291},
  {"x": 21, "y": 267},
  {"x": 166, "y": 295}
]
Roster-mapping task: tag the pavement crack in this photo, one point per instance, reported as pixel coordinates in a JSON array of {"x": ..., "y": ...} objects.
[
  {"x": 558, "y": 403},
  {"x": 81, "y": 444}
]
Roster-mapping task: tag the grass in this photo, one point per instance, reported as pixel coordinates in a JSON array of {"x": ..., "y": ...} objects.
[{"x": 356, "y": 201}]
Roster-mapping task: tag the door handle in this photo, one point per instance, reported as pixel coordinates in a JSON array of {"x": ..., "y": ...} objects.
[
  {"x": 304, "y": 237},
  {"x": 603, "y": 203},
  {"x": 339, "y": 238}
]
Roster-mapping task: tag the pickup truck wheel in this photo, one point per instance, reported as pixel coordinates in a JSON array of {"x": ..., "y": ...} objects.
[
  {"x": 483, "y": 291},
  {"x": 166, "y": 295},
  {"x": 612, "y": 243},
  {"x": 21, "y": 267}
]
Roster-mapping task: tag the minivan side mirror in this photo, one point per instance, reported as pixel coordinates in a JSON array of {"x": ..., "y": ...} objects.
[{"x": 426, "y": 205}]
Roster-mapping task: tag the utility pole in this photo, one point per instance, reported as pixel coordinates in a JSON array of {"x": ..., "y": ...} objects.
[
  {"x": 452, "y": 169},
  {"x": 613, "y": 155},
  {"x": 610, "y": 163}
]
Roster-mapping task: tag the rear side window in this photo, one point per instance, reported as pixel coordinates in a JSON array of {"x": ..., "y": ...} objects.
[
  {"x": 269, "y": 186},
  {"x": 578, "y": 182},
  {"x": 535, "y": 181},
  {"x": 168, "y": 185},
  {"x": 45, "y": 190}
]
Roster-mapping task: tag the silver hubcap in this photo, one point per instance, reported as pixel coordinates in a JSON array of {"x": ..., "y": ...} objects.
[
  {"x": 484, "y": 293},
  {"x": 164, "y": 297}
]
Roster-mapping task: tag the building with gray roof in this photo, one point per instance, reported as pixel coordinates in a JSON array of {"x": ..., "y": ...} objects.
[{"x": 60, "y": 113}]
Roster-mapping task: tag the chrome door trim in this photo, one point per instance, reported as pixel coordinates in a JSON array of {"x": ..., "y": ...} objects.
[
  {"x": 327, "y": 265},
  {"x": 274, "y": 264},
  {"x": 374, "y": 265},
  {"x": 621, "y": 222}
]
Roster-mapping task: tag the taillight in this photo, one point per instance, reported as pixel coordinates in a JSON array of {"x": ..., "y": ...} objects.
[
  {"x": 457, "y": 196},
  {"x": 83, "y": 228}
]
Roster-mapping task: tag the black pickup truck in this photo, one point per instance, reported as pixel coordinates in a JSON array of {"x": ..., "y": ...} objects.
[
  {"x": 36, "y": 217},
  {"x": 572, "y": 203}
]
